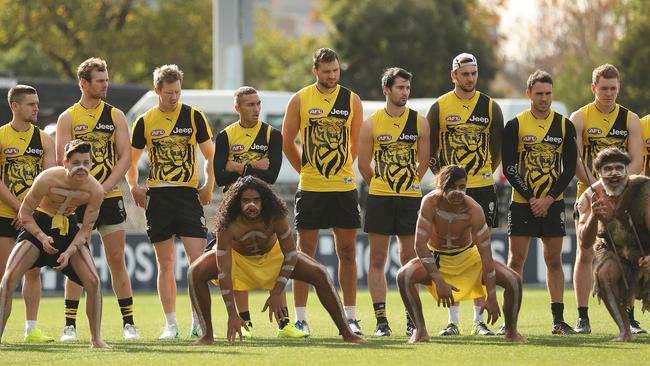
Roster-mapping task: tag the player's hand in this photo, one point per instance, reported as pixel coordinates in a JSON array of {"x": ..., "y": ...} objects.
[
  {"x": 274, "y": 304},
  {"x": 47, "y": 242},
  {"x": 106, "y": 188},
  {"x": 16, "y": 223},
  {"x": 139, "y": 194},
  {"x": 63, "y": 260},
  {"x": 537, "y": 208},
  {"x": 262, "y": 164},
  {"x": 601, "y": 209},
  {"x": 234, "y": 167},
  {"x": 543, "y": 204},
  {"x": 492, "y": 307},
  {"x": 445, "y": 293},
  {"x": 644, "y": 263},
  {"x": 235, "y": 322},
  {"x": 205, "y": 194}
]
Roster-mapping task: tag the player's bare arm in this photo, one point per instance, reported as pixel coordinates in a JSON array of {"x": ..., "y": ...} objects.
[
  {"x": 366, "y": 146},
  {"x": 423, "y": 148},
  {"x": 290, "y": 129},
  {"x": 355, "y": 126},
  {"x": 434, "y": 136},
  {"x": 496, "y": 135},
  {"x": 205, "y": 191},
  {"x": 138, "y": 191},
  {"x": 63, "y": 135},
  {"x": 578, "y": 122},
  {"x": 288, "y": 246},
  {"x": 481, "y": 237},
  {"x": 635, "y": 145},
  {"x": 39, "y": 189},
  {"x": 224, "y": 263}
]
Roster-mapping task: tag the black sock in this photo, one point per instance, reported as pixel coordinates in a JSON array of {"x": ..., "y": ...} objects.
[
  {"x": 630, "y": 314},
  {"x": 246, "y": 316},
  {"x": 408, "y": 318},
  {"x": 557, "y": 309},
  {"x": 126, "y": 308},
  {"x": 380, "y": 312},
  {"x": 583, "y": 312},
  {"x": 285, "y": 318},
  {"x": 70, "y": 310}
]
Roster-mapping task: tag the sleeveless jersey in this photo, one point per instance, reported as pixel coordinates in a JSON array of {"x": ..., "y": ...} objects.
[
  {"x": 600, "y": 131},
  {"x": 171, "y": 139},
  {"x": 248, "y": 144},
  {"x": 395, "y": 154},
  {"x": 539, "y": 152},
  {"x": 21, "y": 159},
  {"x": 645, "y": 133},
  {"x": 465, "y": 136},
  {"x": 97, "y": 127},
  {"x": 325, "y": 121}
]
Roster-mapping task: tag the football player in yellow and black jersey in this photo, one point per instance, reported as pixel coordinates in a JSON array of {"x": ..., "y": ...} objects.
[
  {"x": 106, "y": 129},
  {"x": 539, "y": 156},
  {"x": 24, "y": 152},
  {"x": 601, "y": 124},
  {"x": 328, "y": 117},
  {"x": 172, "y": 199},
  {"x": 466, "y": 128},
  {"x": 645, "y": 133},
  {"x": 396, "y": 139}
]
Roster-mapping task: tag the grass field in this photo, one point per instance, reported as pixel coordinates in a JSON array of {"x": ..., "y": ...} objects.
[{"x": 325, "y": 347}]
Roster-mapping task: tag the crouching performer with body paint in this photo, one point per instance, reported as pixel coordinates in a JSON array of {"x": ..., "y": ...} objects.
[
  {"x": 615, "y": 217},
  {"x": 50, "y": 235},
  {"x": 454, "y": 261},
  {"x": 255, "y": 249}
]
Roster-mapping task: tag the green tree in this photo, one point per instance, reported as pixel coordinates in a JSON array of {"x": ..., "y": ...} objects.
[{"x": 421, "y": 36}]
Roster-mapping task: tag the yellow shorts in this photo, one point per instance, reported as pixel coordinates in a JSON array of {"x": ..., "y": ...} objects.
[
  {"x": 256, "y": 271},
  {"x": 461, "y": 268}
]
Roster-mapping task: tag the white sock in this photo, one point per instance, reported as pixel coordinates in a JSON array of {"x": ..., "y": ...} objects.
[
  {"x": 301, "y": 313},
  {"x": 478, "y": 317},
  {"x": 171, "y": 318},
  {"x": 350, "y": 312},
  {"x": 29, "y": 325},
  {"x": 454, "y": 314},
  {"x": 195, "y": 320}
]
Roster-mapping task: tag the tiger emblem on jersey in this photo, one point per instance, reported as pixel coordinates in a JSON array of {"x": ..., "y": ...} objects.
[
  {"x": 326, "y": 145},
  {"x": 597, "y": 144},
  {"x": 172, "y": 159},
  {"x": 540, "y": 167},
  {"x": 247, "y": 157},
  {"x": 103, "y": 153},
  {"x": 465, "y": 144},
  {"x": 395, "y": 164},
  {"x": 19, "y": 173}
]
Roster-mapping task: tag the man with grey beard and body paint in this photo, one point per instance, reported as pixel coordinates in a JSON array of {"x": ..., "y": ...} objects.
[
  {"x": 50, "y": 235},
  {"x": 615, "y": 220},
  {"x": 455, "y": 259},
  {"x": 255, "y": 249}
]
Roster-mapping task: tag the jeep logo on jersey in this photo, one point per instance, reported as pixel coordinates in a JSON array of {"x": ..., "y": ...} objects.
[
  {"x": 103, "y": 127},
  {"x": 256, "y": 147},
  {"x": 453, "y": 118},
  {"x": 615, "y": 132},
  {"x": 32, "y": 151},
  {"x": 182, "y": 131},
  {"x": 384, "y": 138},
  {"x": 529, "y": 138},
  {"x": 339, "y": 112},
  {"x": 11, "y": 150},
  {"x": 315, "y": 112},
  {"x": 404, "y": 136},
  {"x": 479, "y": 119},
  {"x": 556, "y": 140},
  {"x": 80, "y": 128},
  {"x": 158, "y": 132},
  {"x": 237, "y": 147},
  {"x": 594, "y": 131}
]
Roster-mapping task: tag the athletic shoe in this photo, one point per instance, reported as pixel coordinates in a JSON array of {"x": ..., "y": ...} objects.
[
  {"x": 196, "y": 332},
  {"x": 355, "y": 327},
  {"x": 303, "y": 326},
  {"x": 410, "y": 328},
  {"x": 290, "y": 331},
  {"x": 131, "y": 332},
  {"x": 69, "y": 334},
  {"x": 382, "y": 330},
  {"x": 170, "y": 331},
  {"x": 451, "y": 330},
  {"x": 635, "y": 327},
  {"x": 36, "y": 336},
  {"x": 582, "y": 326},
  {"x": 562, "y": 328},
  {"x": 481, "y": 329},
  {"x": 247, "y": 333}
]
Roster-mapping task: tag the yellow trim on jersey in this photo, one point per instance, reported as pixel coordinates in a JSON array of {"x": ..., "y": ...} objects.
[{"x": 645, "y": 134}]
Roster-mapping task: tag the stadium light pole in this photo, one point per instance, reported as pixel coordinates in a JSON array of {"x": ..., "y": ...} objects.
[{"x": 232, "y": 28}]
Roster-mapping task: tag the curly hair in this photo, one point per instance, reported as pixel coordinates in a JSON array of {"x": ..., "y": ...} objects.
[{"x": 273, "y": 207}]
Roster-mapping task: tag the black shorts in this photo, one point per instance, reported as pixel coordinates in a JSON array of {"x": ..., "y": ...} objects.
[
  {"x": 521, "y": 221},
  {"x": 324, "y": 210},
  {"x": 61, "y": 242},
  {"x": 6, "y": 229},
  {"x": 111, "y": 212},
  {"x": 174, "y": 211},
  {"x": 486, "y": 197},
  {"x": 391, "y": 215}
]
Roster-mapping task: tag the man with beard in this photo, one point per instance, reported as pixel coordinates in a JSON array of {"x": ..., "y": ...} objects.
[
  {"x": 328, "y": 117},
  {"x": 255, "y": 249},
  {"x": 396, "y": 139},
  {"x": 599, "y": 125},
  {"x": 50, "y": 235},
  {"x": 25, "y": 150},
  {"x": 615, "y": 218},
  {"x": 539, "y": 156},
  {"x": 466, "y": 128},
  {"x": 455, "y": 258},
  {"x": 105, "y": 128}
]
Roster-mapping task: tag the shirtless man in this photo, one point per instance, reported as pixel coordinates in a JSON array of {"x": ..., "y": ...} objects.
[
  {"x": 50, "y": 235},
  {"x": 454, "y": 258},
  {"x": 255, "y": 249}
]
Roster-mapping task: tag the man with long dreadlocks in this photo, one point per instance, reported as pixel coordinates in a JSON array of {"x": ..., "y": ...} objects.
[
  {"x": 615, "y": 218},
  {"x": 255, "y": 249}
]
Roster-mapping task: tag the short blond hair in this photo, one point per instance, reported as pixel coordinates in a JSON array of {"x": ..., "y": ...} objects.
[
  {"x": 606, "y": 71},
  {"x": 166, "y": 74},
  {"x": 87, "y": 67}
]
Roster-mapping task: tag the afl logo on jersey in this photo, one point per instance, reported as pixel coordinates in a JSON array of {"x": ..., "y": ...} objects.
[
  {"x": 453, "y": 118},
  {"x": 80, "y": 128},
  {"x": 237, "y": 147},
  {"x": 384, "y": 138},
  {"x": 594, "y": 131},
  {"x": 11, "y": 150},
  {"x": 529, "y": 138},
  {"x": 315, "y": 112},
  {"x": 158, "y": 132}
]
